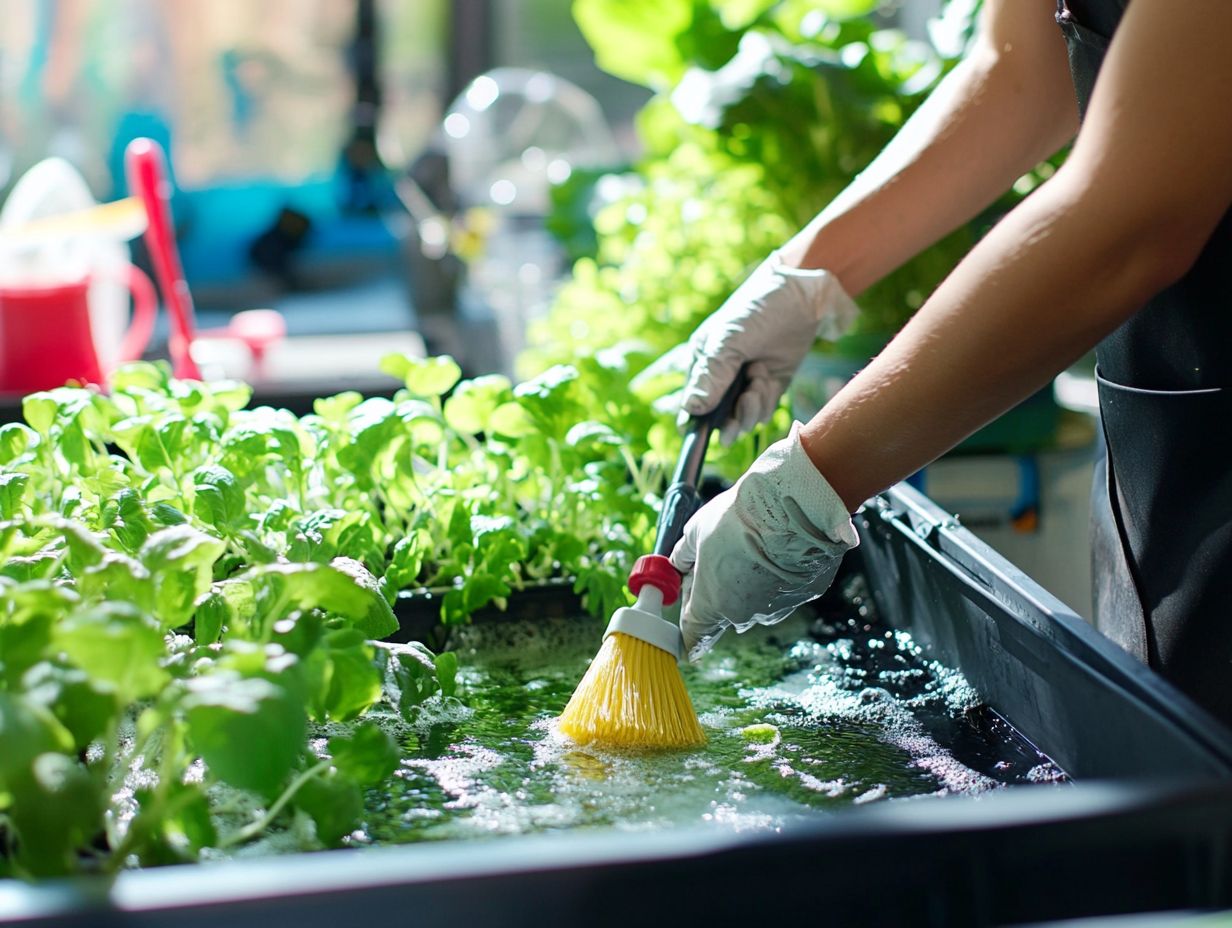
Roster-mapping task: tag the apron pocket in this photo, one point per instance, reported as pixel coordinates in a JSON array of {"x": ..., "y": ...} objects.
[{"x": 1170, "y": 494}]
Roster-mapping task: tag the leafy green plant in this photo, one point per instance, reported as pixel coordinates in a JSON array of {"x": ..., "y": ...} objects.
[
  {"x": 764, "y": 110},
  {"x": 190, "y": 590}
]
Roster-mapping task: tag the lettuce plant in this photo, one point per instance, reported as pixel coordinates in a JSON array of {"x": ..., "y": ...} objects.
[
  {"x": 191, "y": 590},
  {"x": 763, "y": 111}
]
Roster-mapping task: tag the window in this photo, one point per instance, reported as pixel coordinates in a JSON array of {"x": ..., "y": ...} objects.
[{"x": 239, "y": 89}]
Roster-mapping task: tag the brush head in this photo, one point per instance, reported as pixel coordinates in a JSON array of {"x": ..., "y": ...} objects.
[{"x": 633, "y": 695}]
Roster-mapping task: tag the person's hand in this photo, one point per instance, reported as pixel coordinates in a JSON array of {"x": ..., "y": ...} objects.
[
  {"x": 770, "y": 322},
  {"x": 764, "y": 547}
]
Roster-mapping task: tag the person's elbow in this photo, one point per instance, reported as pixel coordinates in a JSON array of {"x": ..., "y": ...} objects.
[
  {"x": 1163, "y": 244},
  {"x": 1144, "y": 236},
  {"x": 1173, "y": 242}
]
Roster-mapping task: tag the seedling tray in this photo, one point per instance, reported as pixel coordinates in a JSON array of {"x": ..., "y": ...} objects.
[{"x": 1145, "y": 826}]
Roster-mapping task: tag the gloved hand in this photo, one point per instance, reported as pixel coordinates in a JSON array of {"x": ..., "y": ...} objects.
[
  {"x": 757, "y": 551},
  {"x": 771, "y": 321}
]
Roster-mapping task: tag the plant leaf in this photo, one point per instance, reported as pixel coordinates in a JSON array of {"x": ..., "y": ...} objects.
[
  {"x": 180, "y": 559},
  {"x": 636, "y": 39},
  {"x": 118, "y": 646},
  {"x": 248, "y": 729},
  {"x": 368, "y": 756},
  {"x": 334, "y": 803}
]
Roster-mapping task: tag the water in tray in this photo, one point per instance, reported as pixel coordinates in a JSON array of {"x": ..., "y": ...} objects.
[{"x": 801, "y": 719}]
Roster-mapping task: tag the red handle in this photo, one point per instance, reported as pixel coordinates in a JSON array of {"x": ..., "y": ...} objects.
[
  {"x": 658, "y": 571},
  {"x": 148, "y": 178},
  {"x": 145, "y": 308}
]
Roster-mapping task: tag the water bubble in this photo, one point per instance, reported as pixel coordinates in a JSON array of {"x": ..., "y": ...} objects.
[{"x": 794, "y": 729}]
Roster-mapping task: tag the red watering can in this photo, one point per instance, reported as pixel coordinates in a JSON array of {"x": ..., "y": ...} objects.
[
  {"x": 46, "y": 339},
  {"x": 65, "y": 282},
  {"x": 57, "y": 246}
]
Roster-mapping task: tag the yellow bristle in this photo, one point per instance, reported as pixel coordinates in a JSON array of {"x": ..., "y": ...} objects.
[{"x": 632, "y": 695}]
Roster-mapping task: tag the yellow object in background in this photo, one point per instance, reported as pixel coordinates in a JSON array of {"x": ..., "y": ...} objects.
[{"x": 120, "y": 220}]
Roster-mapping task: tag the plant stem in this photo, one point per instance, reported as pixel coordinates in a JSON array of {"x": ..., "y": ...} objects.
[{"x": 255, "y": 828}]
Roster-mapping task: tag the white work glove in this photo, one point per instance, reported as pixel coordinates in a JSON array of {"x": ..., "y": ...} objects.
[
  {"x": 764, "y": 547},
  {"x": 770, "y": 323}
]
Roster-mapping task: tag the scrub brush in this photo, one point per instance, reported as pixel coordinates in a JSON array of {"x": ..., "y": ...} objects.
[{"x": 633, "y": 693}]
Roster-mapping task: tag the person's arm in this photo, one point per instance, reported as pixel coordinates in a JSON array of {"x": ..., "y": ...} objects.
[
  {"x": 1148, "y": 180},
  {"x": 1133, "y": 206},
  {"x": 1006, "y": 107}
]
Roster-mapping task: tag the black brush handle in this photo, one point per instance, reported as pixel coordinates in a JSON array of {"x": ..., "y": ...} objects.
[{"x": 682, "y": 499}]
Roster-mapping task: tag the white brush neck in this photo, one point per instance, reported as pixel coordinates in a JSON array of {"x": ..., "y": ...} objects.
[{"x": 644, "y": 621}]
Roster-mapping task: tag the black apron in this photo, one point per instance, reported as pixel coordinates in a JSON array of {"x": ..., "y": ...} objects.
[{"x": 1162, "y": 506}]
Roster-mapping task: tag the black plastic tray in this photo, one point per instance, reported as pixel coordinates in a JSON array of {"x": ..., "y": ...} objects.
[
  {"x": 1077, "y": 696},
  {"x": 1029, "y": 854},
  {"x": 1147, "y": 826}
]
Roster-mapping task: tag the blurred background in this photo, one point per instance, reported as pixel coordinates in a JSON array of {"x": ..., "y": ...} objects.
[
  {"x": 287, "y": 122},
  {"x": 516, "y": 183},
  {"x": 267, "y": 90}
]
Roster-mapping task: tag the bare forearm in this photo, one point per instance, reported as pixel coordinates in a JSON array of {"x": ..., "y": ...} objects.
[
  {"x": 998, "y": 114},
  {"x": 1148, "y": 181},
  {"x": 1040, "y": 290}
]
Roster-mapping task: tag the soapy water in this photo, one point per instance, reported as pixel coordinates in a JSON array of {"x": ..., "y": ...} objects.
[{"x": 800, "y": 719}]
